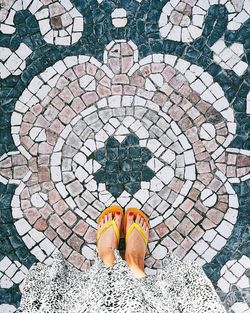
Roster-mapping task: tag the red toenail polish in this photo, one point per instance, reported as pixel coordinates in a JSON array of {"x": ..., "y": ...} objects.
[
  {"x": 131, "y": 213},
  {"x": 118, "y": 212}
]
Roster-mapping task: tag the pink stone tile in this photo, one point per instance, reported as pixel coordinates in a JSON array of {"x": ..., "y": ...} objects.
[
  {"x": 50, "y": 113},
  {"x": 243, "y": 160},
  {"x": 31, "y": 215},
  {"x": 99, "y": 75},
  {"x": 192, "y": 134},
  {"x": 78, "y": 105},
  {"x": 175, "y": 98},
  {"x": 60, "y": 207},
  {"x": 62, "y": 82},
  {"x": 207, "y": 224},
  {"x": 56, "y": 9},
  {"x": 171, "y": 222},
  {"x": 231, "y": 171},
  {"x": 57, "y": 242},
  {"x": 221, "y": 167},
  {"x": 63, "y": 231},
  {"x": 103, "y": 91},
  {"x": 202, "y": 156},
  {"x": 57, "y": 127},
  {"x": 29, "y": 117},
  {"x": 33, "y": 180},
  {"x": 185, "y": 227},
  {"x": 126, "y": 49},
  {"x": 185, "y": 90},
  {"x": 42, "y": 122},
  {"x": 54, "y": 196},
  {"x": 120, "y": 79},
  {"x": 203, "y": 167},
  {"x": 66, "y": 95},
  {"x": 137, "y": 80},
  {"x": 203, "y": 106},
  {"x": 215, "y": 216},
  {"x": 159, "y": 98},
  {"x": 27, "y": 142},
  {"x": 80, "y": 228},
  {"x": 200, "y": 120},
  {"x": 43, "y": 174},
  {"x": 197, "y": 233},
  {"x": 169, "y": 243},
  {"x": 75, "y": 242},
  {"x": 69, "y": 218},
  {"x": 90, "y": 235},
  {"x": 242, "y": 171},
  {"x": 116, "y": 90},
  {"x": 34, "y": 150},
  {"x": 176, "y": 17},
  {"x": 55, "y": 221},
  {"x": 168, "y": 73},
  {"x": 76, "y": 259},
  {"x": 66, "y": 250},
  {"x": 176, "y": 184},
  {"x": 54, "y": 92},
  {"x": 153, "y": 235},
  {"x": 194, "y": 97},
  {"x": 75, "y": 88},
  {"x": 25, "y": 128},
  {"x": 41, "y": 224},
  {"x": 58, "y": 103},
  {"x": 198, "y": 147},
  {"x": 180, "y": 252},
  {"x": 162, "y": 230},
  {"x": 25, "y": 193},
  {"x": 43, "y": 159},
  {"x": 114, "y": 64},
  {"x": 187, "y": 244},
  {"x": 176, "y": 236},
  {"x": 223, "y": 207},
  {"x": 80, "y": 70},
  {"x": 179, "y": 214},
  {"x": 36, "y": 109},
  {"x": 200, "y": 207},
  {"x": 89, "y": 98},
  {"x": 187, "y": 205},
  {"x": 157, "y": 67},
  {"x": 69, "y": 74},
  {"x": 194, "y": 216},
  {"x": 45, "y": 148},
  {"x": 91, "y": 69},
  {"x": 193, "y": 113},
  {"x": 86, "y": 265},
  {"x": 176, "y": 112},
  {"x": 231, "y": 158},
  {"x": 66, "y": 115},
  {"x": 129, "y": 90},
  {"x": 145, "y": 70},
  {"x": 126, "y": 64},
  {"x": 46, "y": 211},
  {"x": 50, "y": 233},
  {"x": 105, "y": 81},
  {"x": 17, "y": 159},
  {"x": 51, "y": 137}
]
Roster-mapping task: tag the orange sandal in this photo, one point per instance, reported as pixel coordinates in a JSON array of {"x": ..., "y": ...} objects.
[
  {"x": 134, "y": 225},
  {"x": 112, "y": 209}
]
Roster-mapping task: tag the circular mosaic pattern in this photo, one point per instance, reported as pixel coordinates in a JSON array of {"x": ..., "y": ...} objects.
[{"x": 136, "y": 134}]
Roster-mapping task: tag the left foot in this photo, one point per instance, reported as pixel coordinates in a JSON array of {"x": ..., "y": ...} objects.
[{"x": 108, "y": 240}]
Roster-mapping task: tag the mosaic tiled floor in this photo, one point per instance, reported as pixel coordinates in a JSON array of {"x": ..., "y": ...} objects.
[{"x": 141, "y": 103}]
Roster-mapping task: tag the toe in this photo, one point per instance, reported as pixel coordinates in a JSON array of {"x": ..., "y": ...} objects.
[
  {"x": 118, "y": 218},
  {"x": 130, "y": 219},
  {"x": 109, "y": 218},
  {"x": 138, "y": 218}
]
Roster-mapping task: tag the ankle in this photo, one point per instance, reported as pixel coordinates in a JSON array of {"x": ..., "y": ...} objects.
[{"x": 134, "y": 261}]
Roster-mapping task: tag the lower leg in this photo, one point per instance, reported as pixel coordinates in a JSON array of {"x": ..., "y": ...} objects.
[
  {"x": 136, "y": 264},
  {"x": 108, "y": 257}
]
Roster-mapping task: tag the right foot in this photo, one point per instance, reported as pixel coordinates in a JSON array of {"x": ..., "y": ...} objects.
[
  {"x": 108, "y": 240},
  {"x": 135, "y": 246}
]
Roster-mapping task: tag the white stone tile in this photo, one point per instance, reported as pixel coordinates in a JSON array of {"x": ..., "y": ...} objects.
[
  {"x": 5, "y": 283},
  {"x": 22, "y": 226},
  {"x": 223, "y": 285},
  {"x": 4, "y": 264},
  {"x": 160, "y": 252},
  {"x": 218, "y": 243}
]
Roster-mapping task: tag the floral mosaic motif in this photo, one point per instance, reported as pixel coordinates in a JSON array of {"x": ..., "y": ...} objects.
[
  {"x": 123, "y": 165},
  {"x": 59, "y": 21},
  {"x": 176, "y": 110},
  {"x": 185, "y": 20},
  {"x": 178, "y": 113}
]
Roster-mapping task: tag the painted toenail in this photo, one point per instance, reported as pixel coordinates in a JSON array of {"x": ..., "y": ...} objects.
[
  {"x": 118, "y": 212},
  {"x": 131, "y": 213}
]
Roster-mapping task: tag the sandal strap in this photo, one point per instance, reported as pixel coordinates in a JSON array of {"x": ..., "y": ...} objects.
[
  {"x": 107, "y": 225},
  {"x": 140, "y": 230}
]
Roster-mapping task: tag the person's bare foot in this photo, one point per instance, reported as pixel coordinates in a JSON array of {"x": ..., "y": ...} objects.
[
  {"x": 108, "y": 240},
  {"x": 135, "y": 247}
]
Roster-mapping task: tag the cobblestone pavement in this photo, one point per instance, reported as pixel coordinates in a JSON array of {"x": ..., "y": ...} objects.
[{"x": 141, "y": 103}]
